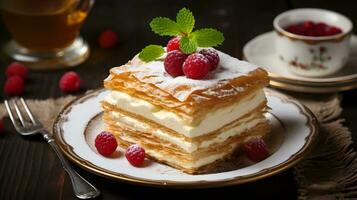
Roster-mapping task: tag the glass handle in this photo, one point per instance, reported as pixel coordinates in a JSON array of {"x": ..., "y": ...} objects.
[
  {"x": 85, "y": 5},
  {"x": 79, "y": 12}
]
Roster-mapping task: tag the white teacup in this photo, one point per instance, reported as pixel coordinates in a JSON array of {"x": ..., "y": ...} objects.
[{"x": 308, "y": 55}]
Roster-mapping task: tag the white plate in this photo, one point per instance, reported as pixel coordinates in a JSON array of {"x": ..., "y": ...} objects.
[
  {"x": 79, "y": 123},
  {"x": 261, "y": 51}
]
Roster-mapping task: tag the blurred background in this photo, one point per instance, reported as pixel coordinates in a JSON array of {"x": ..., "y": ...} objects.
[{"x": 239, "y": 20}]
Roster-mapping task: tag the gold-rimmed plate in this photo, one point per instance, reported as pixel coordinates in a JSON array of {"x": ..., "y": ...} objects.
[
  {"x": 293, "y": 133},
  {"x": 261, "y": 51}
]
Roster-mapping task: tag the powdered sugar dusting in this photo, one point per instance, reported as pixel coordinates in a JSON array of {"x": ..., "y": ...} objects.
[{"x": 181, "y": 87}]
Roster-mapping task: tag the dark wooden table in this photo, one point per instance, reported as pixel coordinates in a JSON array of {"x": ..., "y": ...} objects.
[{"x": 30, "y": 170}]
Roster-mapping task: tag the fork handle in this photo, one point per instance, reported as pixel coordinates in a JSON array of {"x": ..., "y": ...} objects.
[{"x": 81, "y": 187}]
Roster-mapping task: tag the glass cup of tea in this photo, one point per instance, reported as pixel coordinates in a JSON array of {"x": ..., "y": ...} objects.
[{"x": 45, "y": 33}]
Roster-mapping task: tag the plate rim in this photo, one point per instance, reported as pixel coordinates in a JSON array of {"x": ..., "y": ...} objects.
[
  {"x": 67, "y": 150},
  {"x": 310, "y": 89},
  {"x": 302, "y": 80}
]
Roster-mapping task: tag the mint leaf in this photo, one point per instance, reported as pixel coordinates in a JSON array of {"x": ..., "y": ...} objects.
[
  {"x": 164, "y": 26},
  {"x": 188, "y": 45},
  {"x": 185, "y": 20},
  {"x": 208, "y": 37},
  {"x": 183, "y": 27},
  {"x": 151, "y": 52}
]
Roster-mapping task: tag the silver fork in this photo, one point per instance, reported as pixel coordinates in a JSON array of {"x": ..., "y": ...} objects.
[{"x": 81, "y": 187}]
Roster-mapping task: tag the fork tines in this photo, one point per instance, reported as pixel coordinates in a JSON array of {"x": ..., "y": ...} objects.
[{"x": 20, "y": 120}]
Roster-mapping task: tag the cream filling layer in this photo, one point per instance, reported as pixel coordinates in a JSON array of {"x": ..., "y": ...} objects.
[
  {"x": 188, "y": 165},
  {"x": 172, "y": 159},
  {"x": 189, "y": 147},
  {"x": 211, "y": 122}
]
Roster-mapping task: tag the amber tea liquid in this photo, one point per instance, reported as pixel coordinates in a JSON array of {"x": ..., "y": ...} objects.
[{"x": 42, "y": 24}]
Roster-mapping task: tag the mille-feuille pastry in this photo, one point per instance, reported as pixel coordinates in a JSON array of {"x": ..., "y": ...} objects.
[{"x": 191, "y": 111}]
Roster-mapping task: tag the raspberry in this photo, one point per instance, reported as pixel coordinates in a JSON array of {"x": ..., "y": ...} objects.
[
  {"x": 310, "y": 28},
  {"x": 212, "y": 57},
  {"x": 173, "y": 44},
  {"x": 14, "y": 86},
  {"x": 105, "y": 143},
  {"x": 1, "y": 126},
  {"x": 332, "y": 31},
  {"x": 196, "y": 66},
  {"x": 173, "y": 62},
  {"x": 108, "y": 39},
  {"x": 308, "y": 24},
  {"x": 70, "y": 82},
  {"x": 135, "y": 155},
  {"x": 16, "y": 69},
  {"x": 256, "y": 149}
]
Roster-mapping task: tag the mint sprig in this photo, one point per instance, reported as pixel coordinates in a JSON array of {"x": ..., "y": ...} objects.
[
  {"x": 182, "y": 27},
  {"x": 164, "y": 26},
  {"x": 208, "y": 37},
  {"x": 185, "y": 20},
  {"x": 151, "y": 52},
  {"x": 188, "y": 45}
]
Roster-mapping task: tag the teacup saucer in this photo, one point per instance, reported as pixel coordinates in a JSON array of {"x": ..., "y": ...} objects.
[{"x": 261, "y": 51}]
